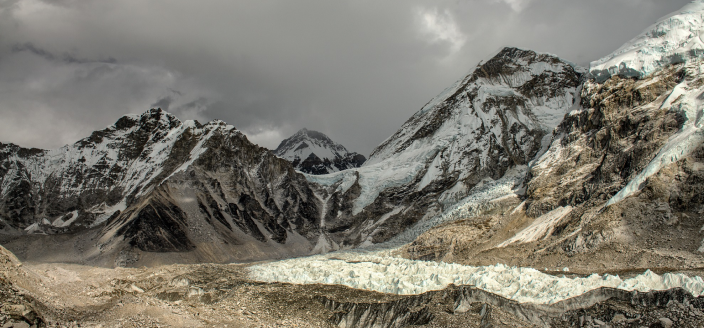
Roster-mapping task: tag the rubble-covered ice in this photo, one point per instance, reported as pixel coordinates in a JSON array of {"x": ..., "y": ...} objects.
[{"x": 378, "y": 271}]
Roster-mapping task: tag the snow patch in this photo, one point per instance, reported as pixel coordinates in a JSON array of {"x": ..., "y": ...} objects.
[
  {"x": 60, "y": 223},
  {"x": 541, "y": 227}
]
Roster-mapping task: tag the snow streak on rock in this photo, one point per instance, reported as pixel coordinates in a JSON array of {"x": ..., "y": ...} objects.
[{"x": 686, "y": 100}]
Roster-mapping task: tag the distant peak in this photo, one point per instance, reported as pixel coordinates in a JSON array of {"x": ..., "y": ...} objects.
[{"x": 313, "y": 152}]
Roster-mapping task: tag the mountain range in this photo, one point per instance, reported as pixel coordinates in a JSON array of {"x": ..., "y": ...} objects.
[{"x": 528, "y": 160}]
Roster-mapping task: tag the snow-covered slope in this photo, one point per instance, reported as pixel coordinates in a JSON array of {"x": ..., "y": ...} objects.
[
  {"x": 315, "y": 153},
  {"x": 674, "y": 39},
  {"x": 493, "y": 120}
]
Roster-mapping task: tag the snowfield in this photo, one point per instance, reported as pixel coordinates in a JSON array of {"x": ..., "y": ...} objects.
[
  {"x": 674, "y": 39},
  {"x": 381, "y": 272}
]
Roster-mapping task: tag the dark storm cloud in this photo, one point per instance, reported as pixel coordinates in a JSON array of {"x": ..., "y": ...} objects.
[
  {"x": 65, "y": 58},
  {"x": 355, "y": 70}
]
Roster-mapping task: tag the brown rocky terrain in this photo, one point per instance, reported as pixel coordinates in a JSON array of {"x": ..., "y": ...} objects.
[
  {"x": 595, "y": 153},
  {"x": 217, "y": 295}
]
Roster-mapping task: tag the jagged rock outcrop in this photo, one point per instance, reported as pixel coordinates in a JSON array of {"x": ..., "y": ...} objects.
[{"x": 313, "y": 152}]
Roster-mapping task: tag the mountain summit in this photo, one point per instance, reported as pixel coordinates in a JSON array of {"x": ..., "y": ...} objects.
[{"x": 315, "y": 153}]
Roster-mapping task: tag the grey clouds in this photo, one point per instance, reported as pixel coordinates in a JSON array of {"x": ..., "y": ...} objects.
[{"x": 355, "y": 70}]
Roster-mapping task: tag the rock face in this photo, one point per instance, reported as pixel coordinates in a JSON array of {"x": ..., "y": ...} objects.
[{"x": 313, "y": 152}]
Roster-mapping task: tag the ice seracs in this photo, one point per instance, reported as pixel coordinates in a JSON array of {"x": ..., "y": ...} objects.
[{"x": 380, "y": 272}]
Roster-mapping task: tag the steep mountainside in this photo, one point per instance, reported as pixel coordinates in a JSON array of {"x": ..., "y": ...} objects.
[
  {"x": 482, "y": 131},
  {"x": 151, "y": 183},
  {"x": 620, "y": 185},
  {"x": 314, "y": 153}
]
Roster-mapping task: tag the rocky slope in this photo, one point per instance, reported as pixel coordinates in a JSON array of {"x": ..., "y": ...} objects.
[
  {"x": 619, "y": 187},
  {"x": 313, "y": 152}
]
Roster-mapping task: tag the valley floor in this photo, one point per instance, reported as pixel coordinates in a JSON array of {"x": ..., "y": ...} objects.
[{"x": 222, "y": 295}]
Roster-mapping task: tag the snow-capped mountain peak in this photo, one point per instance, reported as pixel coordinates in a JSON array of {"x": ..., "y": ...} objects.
[
  {"x": 315, "y": 153},
  {"x": 674, "y": 39}
]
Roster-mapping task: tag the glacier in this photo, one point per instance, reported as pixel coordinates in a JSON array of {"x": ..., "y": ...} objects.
[{"x": 382, "y": 272}]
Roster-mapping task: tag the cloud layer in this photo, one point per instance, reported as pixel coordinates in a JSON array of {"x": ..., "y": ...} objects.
[{"x": 355, "y": 70}]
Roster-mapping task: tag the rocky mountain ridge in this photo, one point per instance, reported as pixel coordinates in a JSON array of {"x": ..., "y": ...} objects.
[
  {"x": 151, "y": 183},
  {"x": 313, "y": 152}
]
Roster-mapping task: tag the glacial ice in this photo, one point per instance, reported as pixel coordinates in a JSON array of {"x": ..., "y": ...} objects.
[{"x": 379, "y": 271}]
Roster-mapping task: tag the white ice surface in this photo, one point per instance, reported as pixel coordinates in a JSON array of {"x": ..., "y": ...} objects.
[{"x": 378, "y": 271}]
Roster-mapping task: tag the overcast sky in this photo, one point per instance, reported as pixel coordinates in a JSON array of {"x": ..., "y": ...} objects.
[{"x": 354, "y": 70}]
